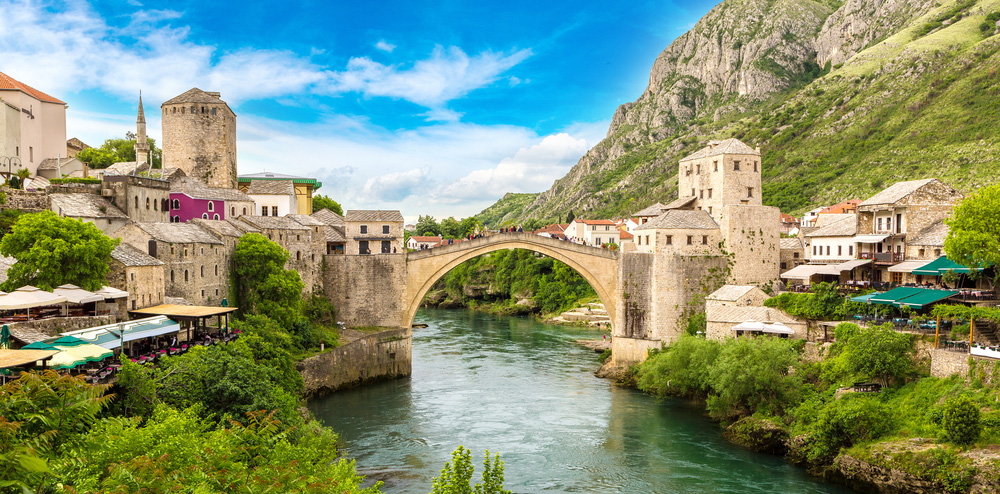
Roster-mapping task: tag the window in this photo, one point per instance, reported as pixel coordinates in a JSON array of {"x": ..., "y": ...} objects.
[
  {"x": 31, "y": 154},
  {"x": 298, "y": 255},
  {"x": 185, "y": 275},
  {"x": 704, "y": 240},
  {"x": 749, "y": 191},
  {"x": 888, "y": 224},
  {"x": 133, "y": 304},
  {"x": 736, "y": 166},
  {"x": 920, "y": 253},
  {"x": 715, "y": 166},
  {"x": 795, "y": 255},
  {"x": 263, "y": 210},
  {"x": 827, "y": 250},
  {"x": 709, "y": 193},
  {"x": 232, "y": 211},
  {"x": 386, "y": 247},
  {"x": 687, "y": 171},
  {"x": 754, "y": 166},
  {"x": 244, "y": 211},
  {"x": 784, "y": 266},
  {"x": 203, "y": 294},
  {"x": 698, "y": 170},
  {"x": 274, "y": 210},
  {"x": 850, "y": 250},
  {"x": 171, "y": 275},
  {"x": 897, "y": 278},
  {"x": 840, "y": 250},
  {"x": 194, "y": 109},
  {"x": 364, "y": 229},
  {"x": 670, "y": 239},
  {"x": 155, "y": 206},
  {"x": 298, "y": 237},
  {"x": 204, "y": 215},
  {"x": 177, "y": 219},
  {"x": 690, "y": 240},
  {"x": 880, "y": 223},
  {"x": 363, "y": 247},
  {"x": 137, "y": 202},
  {"x": 701, "y": 194},
  {"x": 203, "y": 271},
  {"x": 213, "y": 111},
  {"x": 814, "y": 250},
  {"x": 211, "y": 205},
  {"x": 147, "y": 204},
  {"x": 215, "y": 216},
  {"x": 183, "y": 109},
  {"x": 710, "y": 210},
  {"x": 937, "y": 252},
  {"x": 177, "y": 204},
  {"x": 217, "y": 270},
  {"x": 313, "y": 256},
  {"x": 692, "y": 191},
  {"x": 133, "y": 276}
]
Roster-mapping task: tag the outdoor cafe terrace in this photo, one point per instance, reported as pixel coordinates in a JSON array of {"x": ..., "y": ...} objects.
[{"x": 29, "y": 303}]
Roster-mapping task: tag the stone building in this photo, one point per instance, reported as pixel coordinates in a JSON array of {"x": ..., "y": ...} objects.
[
  {"x": 304, "y": 254},
  {"x": 737, "y": 296},
  {"x": 58, "y": 168},
  {"x": 832, "y": 242},
  {"x": 273, "y": 197},
  {"x": 91, "y": 208},
  {"x": 303, "y": 189},
  {"x": 191, "y": 198},
  {"x": 196, "y": 260},
  {"x": 720, "y": 319},
  {"x": 374, "y": 232},
  {"x": 40, "y": 127},
  {"x": 73, "y": 147},
  {"x": 143, "y": 199},
  {"x": 199, "y": 137},
  {"x": 139, "y": 274},
  {"x": 792, "y": 253},
  {"x": 335, "y": 239}
]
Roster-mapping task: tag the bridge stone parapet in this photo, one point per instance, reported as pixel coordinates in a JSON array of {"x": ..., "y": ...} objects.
[{"x": 530, "y": 238}]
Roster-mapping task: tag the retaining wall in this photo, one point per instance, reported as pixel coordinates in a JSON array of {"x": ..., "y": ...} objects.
[{"x": 376, "y": 357}]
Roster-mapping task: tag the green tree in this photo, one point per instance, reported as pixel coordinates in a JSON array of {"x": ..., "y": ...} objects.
[
  {"x": 570, "y": 217},
  {"x": 961, "y": 420},
  {"x": 426, "y": 225},
  {"x": 324, "y": 202},
  {"x": 451, "y": 228},
  {"x": 261, "y": 284},
  {"x": 974, "y": 231},
  {"x": 682, "y": 368},
  {"x": 752, "y": 374},
  {"x": 51, "y": 251},
  {"x": 119, "y": 150},
  {"x": 456, "y": 477},
  {"x": 468, "y": 225},
  {"x": 848, "y": 421},
  {"x": 880, "y": 353}
]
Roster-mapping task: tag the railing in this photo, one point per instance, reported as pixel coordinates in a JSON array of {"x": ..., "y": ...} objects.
[{"x": 883, "y": 256}]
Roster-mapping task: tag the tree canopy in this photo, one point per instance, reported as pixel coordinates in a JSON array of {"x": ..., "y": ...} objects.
[
  {"x": 52, "y": 251},
  {"x": 448, "y": 228},
  {"x": 261, "y": 283},
  {"x": 117, "y": 150},
  {"x": 974, "y": 231},
  {"x": 324, "y": 202}
]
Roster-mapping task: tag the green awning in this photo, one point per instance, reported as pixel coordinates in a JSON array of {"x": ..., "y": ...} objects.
[
  {"x": 39, "y": 345},
  {"x": 941, "y": 266},
  {"x": 926, "y": 297},
  {"x": 69, "y": 341},
  {"x": 893, "y": 296},
  {"x": 865, "y": 298}
]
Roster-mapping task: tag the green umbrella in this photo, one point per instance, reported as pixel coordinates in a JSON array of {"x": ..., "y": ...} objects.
[
  {"x": 39, "y": 345},
  {"x": 69, "y": 341},
  {"x": 5, "y": 337}
]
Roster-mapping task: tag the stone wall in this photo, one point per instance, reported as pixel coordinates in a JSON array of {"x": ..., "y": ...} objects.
[
  {"x": 28, "y": 201},
  {"x": 201, "y": 141},
  {"x": 380, "y": 356},
  {"x": 74, "y": 189},
  {"x": 144, "y": 284},
  {"x": 54, "y": 326},
  {"x": 367, "y": 290},
  {"x": 143, "y": 199},
  {"x": 946, "y": 363},
  {"x": 752, "y": 237}
]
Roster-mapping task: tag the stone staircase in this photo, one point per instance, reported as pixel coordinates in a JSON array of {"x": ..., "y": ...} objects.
[
  {"x": 593, "y": 314},
  {"x": 987, "y": 330}
]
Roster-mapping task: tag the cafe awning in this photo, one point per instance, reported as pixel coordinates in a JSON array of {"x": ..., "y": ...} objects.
[
  {"x": 926, "y": 297},
  {"x": 749, "y": 326},
  {"x": 23, "y": 358},
  {"x": 865, "y": 298},
  {"x": 108, "y": 336},
  {"x": 849, "y": 265},
  {"x": 77, "y": 295},
  {"x": 891, "y": 297},
  {"x": 777, "y": 328},
  {"x": 111, "y": 293},
  {"x": 72, "y": 351},
  {"x": 807, "y": 271},
  {"x": 906, "y": 266},
  {"x": 28, "y": 297},
  {"x": 870, "y": 239},
  {"x": 941, "y": 266}
]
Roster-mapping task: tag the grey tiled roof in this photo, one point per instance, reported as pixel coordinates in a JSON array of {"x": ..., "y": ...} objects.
[
  {"x": 194, "y": 95},
  {"x": 130, "y": 256},
  {"x": 844, "y": 227},
  {"x": 933, "y": 235},
  {"x": 180, "y": 233},
  {"x": 274, "y": 222},
  {"x": 730, "y": 292},
  {"x": 681, "y": 219},
  {"x": 329, "y": 217},
  {"x": 219, "y": 227},
  {"x": 790, "y": 243},
  {"x": 727, "y": 146},
  {"x": 737, "y": 315},
  {"x": 271, "y": 187},
  {"x": 654, "y": 210},
  {"x": 335, "y": 235},
  {"x": 120, "y": 168},
  {"x": 50, "y": 163},
  {"x": 272, "y": 175},
  {"x": 197, "y": 189},
  {"x": 242, "y": 225},
  {"x": 305, "y": 219},
  {"x": 373, "y": 215},
  {"x": 829, "y": 219},
  {"x": 81, "y": 205},
  {"x": 896, "y": 191},
  {"x": 680, "y": 202}
]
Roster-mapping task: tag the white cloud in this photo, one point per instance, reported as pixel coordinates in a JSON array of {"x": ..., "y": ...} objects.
[
  {"x": 393, "y": 187},
  {"x": 385, "y": 46}
]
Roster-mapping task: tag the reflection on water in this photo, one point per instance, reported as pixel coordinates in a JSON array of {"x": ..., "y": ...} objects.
[{"x": 524, "y": 389}]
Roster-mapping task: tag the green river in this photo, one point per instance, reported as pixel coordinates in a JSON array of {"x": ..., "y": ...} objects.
[{"x": 522, "y": 388}]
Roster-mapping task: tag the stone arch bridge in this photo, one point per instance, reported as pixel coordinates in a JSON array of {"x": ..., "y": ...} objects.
[{"x": 425, "y": 267}]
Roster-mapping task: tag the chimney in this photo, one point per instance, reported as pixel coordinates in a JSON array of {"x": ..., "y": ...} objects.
[{"x": 214, "y": 93}]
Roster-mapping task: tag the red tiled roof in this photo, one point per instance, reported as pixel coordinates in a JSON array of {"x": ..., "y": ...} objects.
[
  {"x": 553, "y": 228},
  {"x": 9, "y": 83},
  {"x": 844, "y": 207},
  {"x": 625, "y": 235},
  {"x": 420, "y": 238},
  {"x": 787, "y": 218}
]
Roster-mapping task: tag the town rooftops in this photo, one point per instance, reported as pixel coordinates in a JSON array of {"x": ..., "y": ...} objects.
[
  {"x": 274, "y": 222},
  {"x": 76, "y": 143},
  {"x": 933, "y": 235},
  {"x": 130, "y": 256},
  {"x": 178, "y": 233},
  {"x": 790, "y": 243},
  {"x": 625, "y": 235},
  {"x": 51, "y": 163},
  {"x": 195, "y": 95},
  {"x": 356, "y": 215},
  {"x": 652, "y": 211},
  {"x": 329, "y": 217},
  {"x": 241, "y": 225},
  {"x": 843, "y": 225},
  {"x": 8, "y": 83},
  {"x": 681, "y": 219},
  {"x": 335, "y": 236},
  {"x": 727, "y": 146},
  {"x": 895, "y": 192},
  {"x": 845, "y": 207},
  {"x": 787, "y": 218},
  {"x": 730, "y": 293},
  {"x": 84, "y": 206},
  {"x": 271, "y": 188},
  {"x": 196, "y": 189},
  {"x": 306, "y": 220},
  {"x": 254, "y": 177},
  {"x": 426, "y": 239},
  {"x": 223, "y": 228},
  {"x": 555, "y": 228}
]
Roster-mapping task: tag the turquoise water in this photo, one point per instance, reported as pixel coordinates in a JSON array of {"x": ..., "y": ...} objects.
[{"x": 525, "y": 389}]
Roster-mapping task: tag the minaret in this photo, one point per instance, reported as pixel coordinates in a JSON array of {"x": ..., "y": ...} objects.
[{"x": 141, "y": 144}]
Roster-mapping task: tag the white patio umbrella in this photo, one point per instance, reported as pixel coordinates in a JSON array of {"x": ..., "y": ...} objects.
[
  {"x": 749, "y": 326},
  {"x": 27, "y": 297},
  {"x": 777, "y": 328},
  {"x": 107, "y": 292},
  {"x": 77, "y": 295}
]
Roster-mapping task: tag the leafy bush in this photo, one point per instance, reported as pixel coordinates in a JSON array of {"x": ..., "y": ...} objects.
[
  {"x": 752, "y": 375},
  {"x": 880, "y": 353},
  {"x": 456, "y": 477},
  {"x": 74, "y": 180},
  {"x": 844, "y": 331},
  {"x": 824, "y": 303},
  {"x": 680, "y": 369},
  {"x": 960, "y": 419},
  {"x": 850, "y": 420}
]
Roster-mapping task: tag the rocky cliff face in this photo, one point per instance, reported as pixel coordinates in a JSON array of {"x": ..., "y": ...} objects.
[{"x": 736, "y": 60}]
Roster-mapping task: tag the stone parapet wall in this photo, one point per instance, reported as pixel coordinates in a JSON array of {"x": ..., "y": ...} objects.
[
  {"x": 26, "y": 200},
  {"x": 74, "y": 189},
  {"x": 367, "y": 290},
  {"x": 380, "y": 356},
  {"x": 56, "y": 325},
  {"x": 946, "y": 363}
]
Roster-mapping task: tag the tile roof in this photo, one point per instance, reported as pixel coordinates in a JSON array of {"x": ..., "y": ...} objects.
[
  {"x": 195, "y": 95},
  {"x": 654, "y": 210},
  {"x": 329, "y": 217},
  {"x": 896, "y": 192},
  {"x": 195, "y": 188},
  {"x": 790, "y": 243},
  {"x": 120, "y": 168},
  {"x": 738, "y": 314},
  {"x": 846, "y": 226},
  {"x": 223, "y": 228},
  {"x": 553, "y": 228},
  {"x": 271, "y": 187},
  {"x": 787, "y": 218},
  {"x": 373, "y": 215},
  {"x": 727, "y": 146},
  {"x": 933, "y": 235},
  {"x": 305, "y": 219},
  {"x": 181, "y": 233},
  {"x": 9, "y": 83},
  {"x": 677, "y": 219},
  {"x": 829, "y": 219},
  {"x": 335, "y": 235},
  {"x": 241, "y": 225},
  {"x": 842, "y": 208},
  {"x": 426, "y": 238},
  {"x": 680, "y": 203},
  {"x": 82, "y": 205},
  {"x": 274, "y": 222},
  {"x": 625, "y": 235},
  {"x": 50, "y": 163},
  {"x": 131, "y": 256},
  {"x": 730, "y": 293}
]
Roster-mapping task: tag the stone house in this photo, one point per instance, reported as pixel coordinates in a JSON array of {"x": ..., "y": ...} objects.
[
  {"x": 143, "y": 199},
  {"x": 139, "y": 274},
  {"x": 91, "y": 208},
  {"x": 832, "y": 242},
  {"x": 273, "y": 197},
  {"x": 40, "y": 126},
  {"x": 196, "y": 260},
  {"x": 305, "y": 255},
  {"x": 73, "y": 147},
  {"x": 199, "y": 137},
  {"x": 737, "y": 296},
  {"x": 789, "y": 224},
  {"x": 720, "y": 320},
  {"x": 593, "y": 232},
  {"x": 647, "y": 214},
  {"x": 62, "y": 167},
  {"x": 304, "y": 188},
  {"x": 792, "y": 253},
  {"x": 374, "y": 232},
  {"x": 335, "y": 239},
  {"x": 190, "y": 198}
]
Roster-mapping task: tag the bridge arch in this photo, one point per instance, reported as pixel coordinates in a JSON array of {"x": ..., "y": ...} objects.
[{"x": 424, "y": 268}]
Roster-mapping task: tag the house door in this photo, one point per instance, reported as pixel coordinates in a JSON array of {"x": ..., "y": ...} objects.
[
  {"x": 363, "y": 247},
  {"x": 386, "y": 247}
]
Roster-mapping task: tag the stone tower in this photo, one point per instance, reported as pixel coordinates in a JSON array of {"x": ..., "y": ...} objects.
[
  {"x": 142, "y": 156},
  {"x": 199, "y": 137},
  {"x": 723, "y": 173}
]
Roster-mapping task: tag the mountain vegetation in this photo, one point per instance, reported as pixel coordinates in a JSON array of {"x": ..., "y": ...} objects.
[{"x": 844, "y": 98}]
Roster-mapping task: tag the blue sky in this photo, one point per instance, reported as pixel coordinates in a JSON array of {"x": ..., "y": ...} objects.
[{"x": 429, "y": 107}]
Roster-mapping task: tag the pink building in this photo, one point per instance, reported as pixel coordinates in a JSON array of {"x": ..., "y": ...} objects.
[{"x": 191, "y": 198}]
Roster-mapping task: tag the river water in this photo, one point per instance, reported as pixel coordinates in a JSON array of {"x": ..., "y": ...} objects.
[{"x": 525, "y": 389}]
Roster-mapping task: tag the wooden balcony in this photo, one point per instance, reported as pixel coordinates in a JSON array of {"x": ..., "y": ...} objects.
[{"x": 883, "y": 257}]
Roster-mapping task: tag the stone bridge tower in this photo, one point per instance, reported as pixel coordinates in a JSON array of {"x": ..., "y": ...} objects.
[{"x": 199, "y": 137}]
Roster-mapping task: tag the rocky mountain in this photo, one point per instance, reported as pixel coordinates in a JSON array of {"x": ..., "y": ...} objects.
[{"x": 843, "y": 98}]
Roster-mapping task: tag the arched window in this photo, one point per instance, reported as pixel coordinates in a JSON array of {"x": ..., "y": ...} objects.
[
  {"x": 177, "y": 203},
  {"x": 215, "y": 216},
  {"x": 217, "y": 270},
  {"x": 177, "y": 219},
  {"x": 203, "y": 271},
  {"x": 232, "y": 211},
  {"x": 298, "y": 255},
  {"x": 194, "y": 109},
  {"x": 244, "y": 211},
  {"x": 137, "y": 202},
  {"x": 211, "y": 205},
  {"x": 204, "y": 215},
  {"x": 171, "y": 275},
  {"x": 183, "y": 109},
  {"x": 156, "y": 206},
  {"x": 147, "y": 204},
  {"x": 185, "y": 275}
]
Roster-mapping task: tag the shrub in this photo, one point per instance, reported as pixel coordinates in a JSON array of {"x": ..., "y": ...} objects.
[
  {"x": 848, "y": 421},
  {"x": 845, "y": 330},
  {"x": 751, "y": 375},
  {"x": 681, "y": 368},
  {"x": 456, "y": 477},
  {"x": 879, "y": 353},
  {"x": 74, "y": 180},
  {"x": 961, "y": 420}
]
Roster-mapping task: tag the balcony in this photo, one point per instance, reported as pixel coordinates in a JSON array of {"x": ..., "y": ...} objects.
[{"x": 883, "y": 257}]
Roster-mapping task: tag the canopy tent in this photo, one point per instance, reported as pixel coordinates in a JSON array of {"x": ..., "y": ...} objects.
[
  {"x": 926, "y": 297},
  {"x": 28, "y": 297},
  {"x": 870, "y": 239},
  {"x": 110, "y": 336},
  {"x": 807, "y": 271},
  {"x": 892, "y": 296},
  {"x": 72, "y": 351},
  {"x": 763, "y": 327},
  {"x": 777, "y": 328},
  {"x": 111, "y": 293},
  {"x": 865, "y": 298},
  {"x": 77, "y": 295},
  {"x": 941, "y": 266},
  {"x": 849, "y": 265},
  {"x": 907, "y": 266},
  {"x": 749, "y": 326}
]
